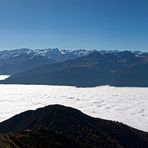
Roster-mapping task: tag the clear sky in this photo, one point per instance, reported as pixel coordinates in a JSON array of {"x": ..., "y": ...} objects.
[{"x": 74, "y": 24}]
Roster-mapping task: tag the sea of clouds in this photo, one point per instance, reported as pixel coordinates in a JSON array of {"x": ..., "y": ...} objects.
[{"x": 128, "y": 105}]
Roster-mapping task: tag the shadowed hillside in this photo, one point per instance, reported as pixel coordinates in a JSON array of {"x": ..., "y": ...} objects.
[
  {"x": 116, "y": 69},
  {"x": 40, "y": 138},
  {"x": 76, "y": 127}
]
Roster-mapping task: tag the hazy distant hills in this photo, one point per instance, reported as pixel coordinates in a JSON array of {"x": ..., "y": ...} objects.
[
  {"x": 18, "y": 60},
  {"x": 117, "y": 68},
  {"x": 59, "y": 126}
]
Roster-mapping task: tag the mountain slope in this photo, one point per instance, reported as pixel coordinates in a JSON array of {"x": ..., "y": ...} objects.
[
  {"x": 18, "y": 60},
  {"x": 133, "y": 76},
  {"x": 91, "y": 70},
  {"x": 39, "y": 138},
  {"x": 77, "y": 126}
]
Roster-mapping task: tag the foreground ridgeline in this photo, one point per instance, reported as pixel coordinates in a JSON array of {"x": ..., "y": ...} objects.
[
  {"x": 57, "y": 126},
  {"x": 116, "y": 68}
]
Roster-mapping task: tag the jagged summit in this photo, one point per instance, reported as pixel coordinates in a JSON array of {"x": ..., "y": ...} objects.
[{"x": 18, "y": 60}]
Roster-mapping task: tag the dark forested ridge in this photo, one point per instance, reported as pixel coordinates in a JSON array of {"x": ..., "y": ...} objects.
[
  {"x": 59, "y": 126},
  {"x": 40, "y": 138},
  {"x": 123, "y": 68}
]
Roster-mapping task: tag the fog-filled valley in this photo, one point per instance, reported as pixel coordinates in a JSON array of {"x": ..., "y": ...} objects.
[
  {"x": 107, "y": 90},
  {"x": 127, "y": 105},
  {"x": 110, "y": 87},
  {"x": 73, "y": 74}
]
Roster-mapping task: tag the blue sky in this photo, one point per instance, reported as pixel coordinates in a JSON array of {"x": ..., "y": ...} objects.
[{"x": 74, "y": 24}]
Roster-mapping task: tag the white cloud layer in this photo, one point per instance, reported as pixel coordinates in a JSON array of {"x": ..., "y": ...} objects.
[{"x": 128, "y": 105}]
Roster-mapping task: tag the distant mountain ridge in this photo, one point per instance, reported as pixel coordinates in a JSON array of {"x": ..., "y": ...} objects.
[
  {"x": 60, "y": 127},
  {"x": 18, "y": 60},
  {"x": 117, "y": 68}
]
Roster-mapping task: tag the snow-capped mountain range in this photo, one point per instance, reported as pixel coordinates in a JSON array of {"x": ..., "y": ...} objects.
[
  {"x": 50, "y": 53},
  {"x": 18, "y": 60}
]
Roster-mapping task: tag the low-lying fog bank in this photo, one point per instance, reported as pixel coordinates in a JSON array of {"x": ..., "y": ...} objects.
[{"x": 128, "y": 105}]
